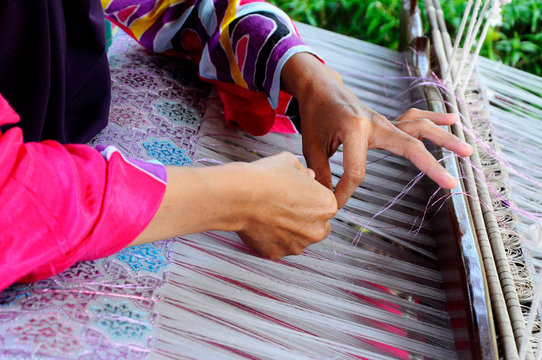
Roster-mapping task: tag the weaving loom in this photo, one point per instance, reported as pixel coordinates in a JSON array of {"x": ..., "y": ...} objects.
[{"x": 396, "y": 279}]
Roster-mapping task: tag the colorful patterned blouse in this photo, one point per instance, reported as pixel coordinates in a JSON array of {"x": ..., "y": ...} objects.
[{"x": 239, "y": 45}]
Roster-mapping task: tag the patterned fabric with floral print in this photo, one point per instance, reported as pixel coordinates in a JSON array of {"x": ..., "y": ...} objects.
[{"x": 105, "y": 309}]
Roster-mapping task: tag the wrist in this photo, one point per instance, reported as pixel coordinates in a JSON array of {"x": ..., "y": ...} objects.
[
  {"x": 297, "y": 73},
  {"x": 229, "y": 189},
  {"x": 303, "y": 73},
  {"x": 199, "y": 199}
]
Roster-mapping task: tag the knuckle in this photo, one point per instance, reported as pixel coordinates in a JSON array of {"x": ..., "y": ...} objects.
[
  {"x": 288, "y": 158},
  {"x": 329, "y": 205},
  {"x": 335, "y": 74},
  {"x": 274, "y": 252},
  {"x": 356, "y": 175},
  {"x": 426, "y": 122},
  {"x": 412, "y": 147},
  {"x": 376, "y": 117},
  {"x": 324, "y": 231},
  {"x": 416, "y": 130},
  {"x": 430, "y": 127},
  {"x": 319, "y": 232},
  {"x": 275, "y": 255},
  {"x": 332, "y": 206},
  {"x": 327, "y": 229},
  {"x": 404, "y": 125},
  {"x": 287, "y": 155},
  {"x": 414, "y": 112},
  {"x": 420, "y": 146},
  {"x": 296, "y": 250},
  {"x": 416, "y": 144},
  {"x": 283, "y": 154},
  {"x": 292, "y": 158}
]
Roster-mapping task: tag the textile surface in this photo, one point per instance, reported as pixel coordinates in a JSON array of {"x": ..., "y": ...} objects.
[{"x": 105, "y": 309}]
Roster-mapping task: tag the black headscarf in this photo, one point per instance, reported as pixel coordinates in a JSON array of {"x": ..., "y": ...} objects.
[{"x": 53, "y": 67}]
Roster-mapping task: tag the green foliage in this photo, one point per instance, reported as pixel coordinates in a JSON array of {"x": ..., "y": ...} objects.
[
  {"x": 376, "y": 21},
  {"x": 518, "y": 42}
]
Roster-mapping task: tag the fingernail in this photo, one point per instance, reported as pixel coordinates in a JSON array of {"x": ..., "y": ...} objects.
[{"x": 468, "y": 148}]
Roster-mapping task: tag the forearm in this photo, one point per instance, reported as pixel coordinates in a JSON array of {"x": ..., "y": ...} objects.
[
  {"x": 199, "y": 199},
  {"x": 274, "y": 204}
]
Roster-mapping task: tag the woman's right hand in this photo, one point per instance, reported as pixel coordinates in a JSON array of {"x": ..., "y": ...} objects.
[
  {"x": 288, "y": 209},
  {"x": 274, "y": 204}
]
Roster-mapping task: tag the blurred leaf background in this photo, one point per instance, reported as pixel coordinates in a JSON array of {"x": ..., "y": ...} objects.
[{"x": 517, "y": 42}]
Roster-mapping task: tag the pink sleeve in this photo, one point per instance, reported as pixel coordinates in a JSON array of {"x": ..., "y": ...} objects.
[{"x": 61, "y": 204}]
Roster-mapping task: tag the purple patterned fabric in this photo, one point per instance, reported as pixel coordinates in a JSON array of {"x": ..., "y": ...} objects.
[{"x": 239, "y": 42}]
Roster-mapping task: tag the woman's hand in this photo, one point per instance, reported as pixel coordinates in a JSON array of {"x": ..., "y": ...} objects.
[
  {"x": 288, "y": 209},
  {"x": 274, "y": 204},
  {"x": 332, "y": 115}
]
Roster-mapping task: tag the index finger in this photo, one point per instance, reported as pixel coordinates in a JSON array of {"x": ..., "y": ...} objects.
[
  {"x": 354, "y": 160},
  {"x": 402, "y": 144},
  {"x": 435, "y": 117}
]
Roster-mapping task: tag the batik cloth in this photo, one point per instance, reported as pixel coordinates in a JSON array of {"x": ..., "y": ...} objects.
[{"x": 240, "y": 46}]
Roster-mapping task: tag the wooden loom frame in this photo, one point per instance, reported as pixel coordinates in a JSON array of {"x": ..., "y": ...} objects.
[{"x": 464, "y": 275}]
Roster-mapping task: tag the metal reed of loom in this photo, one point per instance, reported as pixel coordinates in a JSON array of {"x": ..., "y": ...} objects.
[
  {"x": 385, "y": 285},
  {"x": 498, "y": 215}
]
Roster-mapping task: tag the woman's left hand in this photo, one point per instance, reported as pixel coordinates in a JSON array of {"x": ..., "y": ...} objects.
[{"x": 332, "y": 115}]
